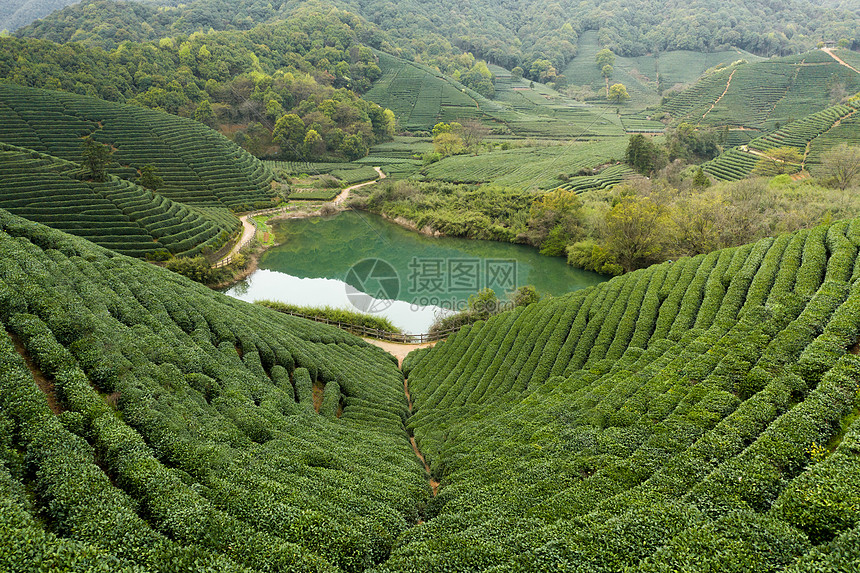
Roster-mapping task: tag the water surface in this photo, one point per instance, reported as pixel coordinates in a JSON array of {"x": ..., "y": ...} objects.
[{"x": 355, "y": 259}]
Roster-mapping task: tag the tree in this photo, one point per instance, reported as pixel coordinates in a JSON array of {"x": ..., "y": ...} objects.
[
  {"x": 96, "y": 158},
  {"x": 542, "y": 70},
  {"x": 150, "y": 178},
  {"x": 634, "y": 228},
  {"x": 691, "y": 144},
  {"x": 841, "y": 166},
  {"x": 517, "y": 73},
  {"x": 314, "y": 144},
  {"x": 353, "y": 147},
  {"x": 474, "y": 132},
  {"x": 618, "y": 93},
  {"x": 484, "y": 304},
  {"x": 448, "y": 144},
  {"x": 555, "y": 220},
  {"x": 289, "y": 132},
  {"x": 700, "y": 179},
  {"x": 778, "y": 161},
  {"x": 604, "y": 57},
  {"x": 204, "y": 113},
  {"x": 641, "y": 154},
  {"x": 525, "y": 295},
  {"x": 443, "y": 127},
  {"x": 607, "y": 71}
]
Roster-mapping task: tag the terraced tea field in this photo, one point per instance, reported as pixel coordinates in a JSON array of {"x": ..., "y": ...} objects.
[
  {"x": 527, "y": 167},
  {"x": 177, "y": 429},
  {"x": 644, "y": 76},
  {"x": 198, "y": 165},
  {"x": 702, "y": 412},
  {"x": 421, "y": 97},
  {"x": 115, "y": 214},
  {"x": 811, "y": 136},
  {"x": 763, "y": 95}
]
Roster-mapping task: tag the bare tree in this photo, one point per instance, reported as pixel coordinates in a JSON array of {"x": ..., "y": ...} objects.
[
  {"x": 841, "y": 166},
  {"x": 474, "y": 132}
]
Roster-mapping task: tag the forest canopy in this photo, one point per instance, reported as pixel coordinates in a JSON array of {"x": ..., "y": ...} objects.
[
  {"x": 311, "y": 66},
  {"x": 507, "y": 34}
]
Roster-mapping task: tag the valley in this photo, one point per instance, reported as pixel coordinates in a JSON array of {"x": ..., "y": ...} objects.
[{"x": 629, "y": 230}]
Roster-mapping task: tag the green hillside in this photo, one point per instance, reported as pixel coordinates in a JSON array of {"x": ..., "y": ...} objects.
[
  {"x": 647, "y": 76},
  {"x": 811, "y": 136},
  {"x": 505, "y": 33},
  {"x": 420, "y": 97},
  {"x": 15, "y": 14},
  {"x": 172, "y": 428},
  {"x": 695, "y": 416},
  {"x": 115, "y": 214},
  {"x": 762, "y": 95},
  {"x": 198, "y": 165}
]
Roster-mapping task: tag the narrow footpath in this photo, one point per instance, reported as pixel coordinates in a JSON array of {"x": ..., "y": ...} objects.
[
  {"x": 725, "y": 91},
  {"x": 249, "y": 229},
  {"x": 400, "y": 351},
  {"x": 344, "y": 195}
]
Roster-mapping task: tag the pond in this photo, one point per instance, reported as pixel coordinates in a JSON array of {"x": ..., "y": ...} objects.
[{"x": 363, "y": 262}]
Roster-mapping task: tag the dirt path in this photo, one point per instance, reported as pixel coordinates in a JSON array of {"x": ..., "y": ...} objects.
[
  {"x": 398, "y": 350},
  {"x": 725, "y": 91},
  {"x": 829, "y": 52},
  {"x": 45, "y": 385},
  {"x": 434, "y": 483},
  {"x": 249, "y": 229},
  {"x": 344, "y": 195}
]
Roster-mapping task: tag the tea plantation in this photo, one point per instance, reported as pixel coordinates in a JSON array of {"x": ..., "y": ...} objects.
[
  {"x": 762, "y": 95},
  {"x": 198, "y": 165},
  {"x": 171, "y": 428},
  {"x": 115, "y": 214},
  {"x": 695, "y": 416},
  {"x": 526, "y": 167},
  {"x": 812, "y": 136},
  {"x": 700, "y": 414}
]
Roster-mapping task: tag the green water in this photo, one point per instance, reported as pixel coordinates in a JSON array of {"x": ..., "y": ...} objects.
[{"x": 313, "y": 264}]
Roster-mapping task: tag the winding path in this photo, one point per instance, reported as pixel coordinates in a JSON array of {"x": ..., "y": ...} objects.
[
  {"x": 249, "y": 229},
  {"x": 344, "y": 195}
]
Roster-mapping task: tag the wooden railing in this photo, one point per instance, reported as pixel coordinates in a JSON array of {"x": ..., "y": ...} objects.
[
  {"x": 379, "y": 333},
  {"x": 229, "y": 258}
]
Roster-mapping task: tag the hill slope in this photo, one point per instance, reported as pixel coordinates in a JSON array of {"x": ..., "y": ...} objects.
[
  {"x": 166, "y": 427},
  {"x": 703, "y": 412},
  {"x": 700, "y": 413},
  {"x": 115, "y": 214},
  {"x": 509, "y": 34},
  {"x": 198, "y": 165}
]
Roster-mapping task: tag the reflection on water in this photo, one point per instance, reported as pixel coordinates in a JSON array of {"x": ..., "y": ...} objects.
[{"x": 357, "y": 260}]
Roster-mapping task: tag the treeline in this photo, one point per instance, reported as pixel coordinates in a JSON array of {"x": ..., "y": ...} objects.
[
  {"x": 310, "y": 66},
  {"x": 679, "y": 212},
  {"x": 538, "y": 36}
]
